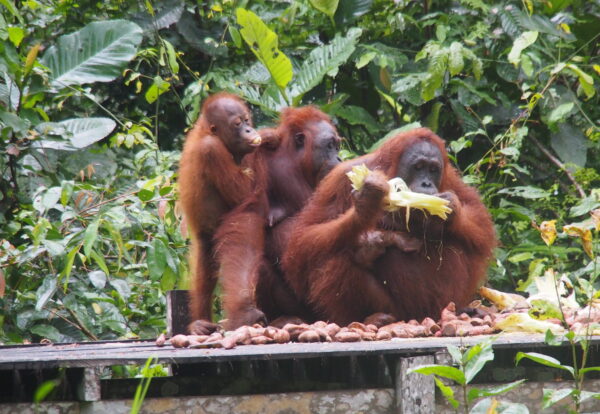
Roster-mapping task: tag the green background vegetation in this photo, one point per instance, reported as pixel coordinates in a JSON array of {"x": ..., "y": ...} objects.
[{"x": 95, "y": 98}]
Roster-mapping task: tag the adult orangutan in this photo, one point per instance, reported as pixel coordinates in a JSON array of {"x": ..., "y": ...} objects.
[
  {"x": 212, "y": 181},
  {"x": 433, "y": 261},
  {"x": 252, "y": 237}
]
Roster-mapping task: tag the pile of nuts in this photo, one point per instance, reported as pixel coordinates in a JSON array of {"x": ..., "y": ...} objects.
[{"x": 450, "y": 324}]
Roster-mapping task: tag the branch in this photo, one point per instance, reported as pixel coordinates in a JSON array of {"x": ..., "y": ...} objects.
[{"x": 560, "y": 165}]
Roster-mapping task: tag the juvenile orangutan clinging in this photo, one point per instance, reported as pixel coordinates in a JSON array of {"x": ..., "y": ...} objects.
[{"x": 212, "y": 181}]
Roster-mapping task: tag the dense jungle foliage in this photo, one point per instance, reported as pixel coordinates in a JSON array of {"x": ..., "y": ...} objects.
[{"x": 95, "y": 99}]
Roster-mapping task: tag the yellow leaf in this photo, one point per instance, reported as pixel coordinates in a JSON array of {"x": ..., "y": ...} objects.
[
  {"x": 97, "y": 308},
  {"x": 523, "y": 322},
  {"x": 31, "y": 57},
  {"x": 597, "y": 69},
  {"x": 504, "y": 300},
  {"x": 565, "y": 28},
  {"x": 548, "y": 231},
  {"x": 596, "y": 218},
  {"x": 584, "y": 234}
]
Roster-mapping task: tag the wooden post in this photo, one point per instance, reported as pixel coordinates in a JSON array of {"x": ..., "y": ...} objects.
[
  {"x": 415, "y": 393},
  {"x": 178, "y": 317}
]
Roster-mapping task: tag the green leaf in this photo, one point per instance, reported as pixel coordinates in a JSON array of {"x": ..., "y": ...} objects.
[
  {"x": 172, "y": 56},
  {"x": 570, "y": 144},
  {"x": 45, "y": 292},
  {"x": 432, "y": 120},
  {"x": 350, "y": 10},
  {"x": 455, "y": 353},
  {"x": 391, "y": 101},
  {"x": 168, "y": 279},
  {"x": 356, "y": 115},
  {"x": 90, "y": 236},
  {"x": 325, "y": 6},
  {"x": 97, "y": 53},
  {"x": 99, "y": 261},
  {"x": 235, "y": 36},
  {"x": 46, "y": 387},
  {"x": 158, "y": 87},
  {"x": 584, "y": 371},
  {"x": 66, "y": 272},
  {"x": 585, "y": 81},
  {"x": 122, "y": 288},
  {"x": 263, "y": 43},
  {"x": 438, "y": 63},
  {"x": 551, "y": 339},
  {"x": 584, "y": 206},
  {"x": 490, "y": 392},
  {"x": 10, "y": 95},
  {"x": 544, "y": 360},
  {"x": 527, "y": 191},
  {"x": 157, "y": 259},
  {"x": 526, "y": 65},
  {"x": 16, "y": 35},
  {"x": 493, "y": 406},
  {"x": 145, "y": 195},
  {"x": 51, "y": 197},
  {"x": 521, "y": 43},
  {"x": 431, "y": 84},
  {"x": 10, "y": 6},
  {"x": 455, "y": 58},
  {"x": 323, "y": 60},
  {"x": 393, "y": 133},
  {"x": 452, "y": 373},
  {"x": 560, "y": 113},
  {"x": 551, "y": 397},
  {"x": 66, "y": 192},
  {"x": 476, "y": 357},
  {"x": 86, "y": 131},
  {"x": 46, "y": 331},
  {"x": 446, "y": 392},
  {"x": 365, "y": 59},
  {"x": 98, "y": 279}
]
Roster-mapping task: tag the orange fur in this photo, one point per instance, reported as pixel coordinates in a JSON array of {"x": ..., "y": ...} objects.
[{"x": 320, "y": 261}]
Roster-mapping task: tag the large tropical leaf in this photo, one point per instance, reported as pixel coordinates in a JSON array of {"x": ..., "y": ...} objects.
[
  {"x": 266, "y": 101},
  {"x": 86, "y": 131},
  {"x": 356, "y": 115},
  {"x": 9, "y": 92},
  {"x": 350, "y": 10},
  {"x": 570, "y": 144},
  {"x": 263, "y": 43},
  {"x": 323, "y": 60},
  {"x": 166, "y": 13},
  {"x": 97, "y": 53},
  {"x": 325, "y": 6},
  {"x": 80, "y": 132}
]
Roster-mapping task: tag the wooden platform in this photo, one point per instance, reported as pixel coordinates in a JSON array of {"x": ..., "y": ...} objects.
[
  {"x": 328, "y": 370},
  {"x": 86, "y": 354},
  {"x": 292, "y": 378}
]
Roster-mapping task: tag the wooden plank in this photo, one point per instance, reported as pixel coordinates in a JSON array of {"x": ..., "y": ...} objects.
[
  {"x": 415, "y": 393},
  {"x": 101, "y": 354}
]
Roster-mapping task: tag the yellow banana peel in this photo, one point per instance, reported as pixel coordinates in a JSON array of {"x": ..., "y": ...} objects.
[{"x": 400, "y": 195}]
